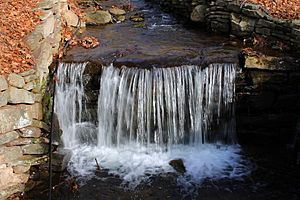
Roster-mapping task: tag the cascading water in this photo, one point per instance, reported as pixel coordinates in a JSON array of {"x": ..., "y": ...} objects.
[
  {"x": 166, "y": 106},
  {"x": 147, "y": 117}
]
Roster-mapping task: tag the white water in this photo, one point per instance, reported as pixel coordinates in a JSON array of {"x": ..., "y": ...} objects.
[
  {"x": 166, "y": 106},
  {"x": 149, "y": 117}
]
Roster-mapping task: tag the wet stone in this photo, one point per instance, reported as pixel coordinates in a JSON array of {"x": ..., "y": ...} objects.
[
  {"x": 98, "y": 18},
  {"x": 117, "y": 11},
  {"x": 178, "y": 165}
]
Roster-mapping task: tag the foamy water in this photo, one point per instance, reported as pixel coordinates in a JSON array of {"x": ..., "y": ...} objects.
[{"x": 136, "y": 164}]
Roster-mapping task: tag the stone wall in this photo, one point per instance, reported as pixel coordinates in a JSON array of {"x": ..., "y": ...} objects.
[
  {"x": 23, "y": 134},
  {"x": 236, "y": 18}
]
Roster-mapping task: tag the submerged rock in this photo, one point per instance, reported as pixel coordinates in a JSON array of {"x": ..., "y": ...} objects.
[
  {"x": 198, "y": 14},
  {"x": 178, "y": 165},
  {"x": 137, "y": 17}
]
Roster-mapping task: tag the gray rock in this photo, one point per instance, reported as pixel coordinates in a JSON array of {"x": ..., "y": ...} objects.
[
  {"x": 71, "y": 18},
  {"x": 35, "y": 149},
  {"x": 263, "y": 31},
  {"x": 11, "y": 189},
  {"x": 120, "y": 18},
  {"x": 234, "y": 7},
  {"x": 8, "y": 154},
  {"x": 241, "y": 25},
  {"x": 35, "y": 38},
  {"x": 46, "y": 4},
  {"x": 30, "y": 78},
  {"x": 11, "y": 118},
  {"x": 265, "y": 23},
  {"x": 21, "y": 169},
  {"x": 48, "y": 26},
  {"x": 23, "y": 141},
  {"x": 30, "y": 160},
  {"x": 3, "y": 98},
  {"x": 296, "y": 23},
  {"x": 41, "y": 125},
  {"x": 15, "y": 80},
  {"x": 16, "y": 96},
  {"x": 29, "y": 86},
  {"x": 44, "y": 58},
  {"x": 35, "y": 111},
  {"x": 8, "y": 137},
  {"x": 117, "y": 11},
  {"x": 267, "y": 62},
  {"x": 99, "y": 17},
  {"x": 198, "y": 14},
  {"x": 28, "y": 72},
  {"x": 46, "y": 14},
  {"x": 38, "y": 98},
  {"x": 30, "y": 131},
  {"x": 3, "y": 83}
]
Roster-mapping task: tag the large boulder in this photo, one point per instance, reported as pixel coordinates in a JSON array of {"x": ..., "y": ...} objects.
[{"x": 99, "y": 17}]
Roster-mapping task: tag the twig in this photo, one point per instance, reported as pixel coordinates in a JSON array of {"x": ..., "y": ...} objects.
[{"x": 98, "y": 166}]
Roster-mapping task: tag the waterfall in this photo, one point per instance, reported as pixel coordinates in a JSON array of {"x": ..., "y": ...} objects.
[
  {"x": 166, "y": 106},
  {"x": 147, "y": 117},
  {"x": 69, "y": 105}
]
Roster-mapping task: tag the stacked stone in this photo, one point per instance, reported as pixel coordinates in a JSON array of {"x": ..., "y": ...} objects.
[
  {"x": 22, "y": 142},
  {"x": 237, "y": 18},
  {"x": 244, "y": 20},
  {"x": 45, "y": 39},
  {"x": 22, "y": 131}
]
